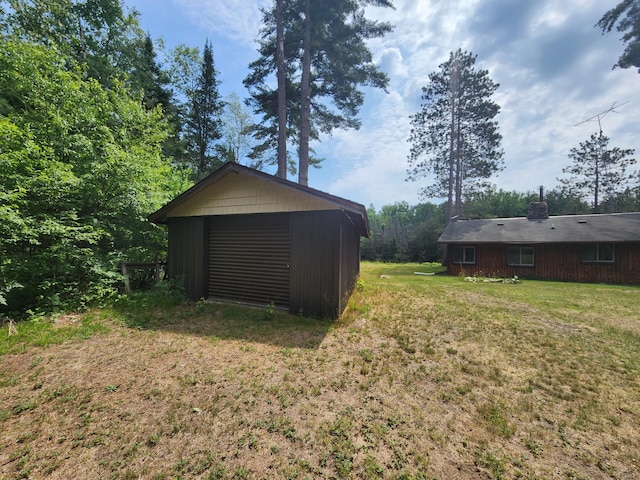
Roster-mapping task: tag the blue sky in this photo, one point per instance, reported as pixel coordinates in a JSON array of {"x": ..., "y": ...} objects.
[{"x": 554, "y": 69}]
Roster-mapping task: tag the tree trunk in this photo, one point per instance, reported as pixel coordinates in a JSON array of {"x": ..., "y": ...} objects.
[
  {"x": 282, "y": 96},
  {"x": 597, "y": 183},
  {"x": 459, "y": 169},
  {"x": 305, "y": 100},
  {"x": 451, "y": 151}
]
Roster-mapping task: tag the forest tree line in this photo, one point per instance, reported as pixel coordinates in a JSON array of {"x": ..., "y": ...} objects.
[{"x": 404, "y": 233}]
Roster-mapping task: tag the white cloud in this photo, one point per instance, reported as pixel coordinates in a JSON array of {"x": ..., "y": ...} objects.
[{"x": 237, "y": 20}]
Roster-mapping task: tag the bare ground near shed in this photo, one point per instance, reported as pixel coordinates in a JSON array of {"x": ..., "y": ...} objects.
[{"x": 422, "y": 377}]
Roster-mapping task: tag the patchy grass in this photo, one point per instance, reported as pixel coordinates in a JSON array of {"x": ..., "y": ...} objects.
[{"x": 424, "y": 376}]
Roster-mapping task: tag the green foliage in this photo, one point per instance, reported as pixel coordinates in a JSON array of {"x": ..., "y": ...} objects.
[
  {"x": 99, "y": 35},
  {"x": 598, "y": 173},
  {"x": 82, "y": 169},
  {"x": 492, "y": 203},
  {"x": 337, "y": 59},
  {"x": 400, "y": 232},
  {"x": 138, "y": 309},
  {"x": 454, "y": 137},
  {"x": 630, "y": 24},
  {"x": 203, "y": 125}
]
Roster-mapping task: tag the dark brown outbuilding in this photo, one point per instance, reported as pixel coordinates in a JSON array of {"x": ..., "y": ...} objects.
[{"x": 245, "y": 236}]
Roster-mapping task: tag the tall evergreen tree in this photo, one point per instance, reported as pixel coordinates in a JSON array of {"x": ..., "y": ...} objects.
[
  {"x": 282, "y": 92},
  {"x": 454, "y": 137},
  {"x": 203, "y": 126},
  {"x": 149, "y": 79},
  {"x": 598, "y": 173},
  {"x": 630, "y": 25},
  {"x": 328, "y": 61},
  {"x": 153, "y": 83}
]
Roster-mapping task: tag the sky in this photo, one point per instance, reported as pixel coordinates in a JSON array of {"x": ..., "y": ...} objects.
[{"x": 553, "y": 67}]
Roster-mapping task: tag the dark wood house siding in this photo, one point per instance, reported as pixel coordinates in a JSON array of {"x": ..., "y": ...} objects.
[
  {"x": 555, "y": 261},
  {"x": 249, "y": 258},
  {"x": 187, "y": 254}
]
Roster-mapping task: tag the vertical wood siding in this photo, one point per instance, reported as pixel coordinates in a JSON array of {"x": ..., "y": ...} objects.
[
  {"x": 325, "y": 262},
  {"x": 349, "y": 261},
  {"x": 187, "y": 254},
  {"x": 556, "y": 262},
  {"x": 315, "y": 250},
  {"x": 249, "y": 258}
]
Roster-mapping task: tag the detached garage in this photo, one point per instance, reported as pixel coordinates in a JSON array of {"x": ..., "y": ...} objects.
[{"x": 245, "y": 236}]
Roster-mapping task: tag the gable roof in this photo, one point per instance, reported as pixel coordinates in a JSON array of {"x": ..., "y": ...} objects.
[
  {"x": 236, "y": 189},
  {"x": 613, "y": 227}
]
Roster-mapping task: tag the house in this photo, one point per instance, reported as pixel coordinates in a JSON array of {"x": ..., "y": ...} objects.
[
  {"x": 245, "y": 236},
  {"x": 579, "y": 248}
]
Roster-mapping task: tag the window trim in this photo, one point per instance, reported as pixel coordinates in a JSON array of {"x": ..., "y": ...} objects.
[
  {"x": 520, "y": 249},
  {"x": 463, "y": 249},
  {"x": 598, "y": 246}
]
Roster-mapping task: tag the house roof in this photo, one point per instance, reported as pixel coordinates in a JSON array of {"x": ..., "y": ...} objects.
[
  {"x": 260, "y": 193},
  {"x": 614, "y": 227}
]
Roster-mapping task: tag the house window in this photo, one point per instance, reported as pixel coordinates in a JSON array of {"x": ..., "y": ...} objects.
[
  {"x": 598, "y": 253},
  {"x": 464, "y": 254},
  {"x": 520, "y": 256}
]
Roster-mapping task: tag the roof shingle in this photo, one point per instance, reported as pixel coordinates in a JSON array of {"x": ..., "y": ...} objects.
[{"x": 614, "y": 227}]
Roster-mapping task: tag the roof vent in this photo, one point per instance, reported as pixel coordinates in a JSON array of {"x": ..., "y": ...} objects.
[
  {"x": 501, "y": 224},
  {"x": 582, "y": 221}
]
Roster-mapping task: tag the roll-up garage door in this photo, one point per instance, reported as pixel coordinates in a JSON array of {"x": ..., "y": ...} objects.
[{"x": 249, "y": 258}]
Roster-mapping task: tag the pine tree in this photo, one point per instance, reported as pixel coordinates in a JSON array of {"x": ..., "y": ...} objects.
[
  {"x": 630, "y": 24},
  {"x": 454, "y": 137},
  {"x": 597, "y": 172},
  {"x": 282, "y": 93},
  {"x": 327, "y": 61},
  {"x": 203, "y": 126}
]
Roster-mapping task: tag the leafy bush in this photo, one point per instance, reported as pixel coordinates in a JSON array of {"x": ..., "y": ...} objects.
[{"x": 82, "y": 168}]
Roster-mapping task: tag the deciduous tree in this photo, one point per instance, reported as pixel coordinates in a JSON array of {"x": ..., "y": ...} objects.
[
  {"x": 82, "y": 168},
  {"x": 236, "y": 140},
  {"x": 100, "y": 34}
]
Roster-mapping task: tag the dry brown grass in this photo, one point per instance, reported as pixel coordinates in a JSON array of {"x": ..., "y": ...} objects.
[{"x": 423, "y": 377}]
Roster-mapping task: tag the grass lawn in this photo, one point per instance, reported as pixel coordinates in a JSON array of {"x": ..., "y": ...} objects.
[{"x": 424, "y": 377}]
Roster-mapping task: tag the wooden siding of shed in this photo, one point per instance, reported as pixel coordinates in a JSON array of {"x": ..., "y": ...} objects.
[
  {"x": 555, "y": 262},
  {"x": 314, "y": 275},
  {"x": 187, "y": 254},
  {"x": 349, "y": 261},
  {"x": 235, "y": 194}
]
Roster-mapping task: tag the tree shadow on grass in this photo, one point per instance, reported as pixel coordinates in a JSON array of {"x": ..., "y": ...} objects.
[{"x": 151, "y": 311}]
